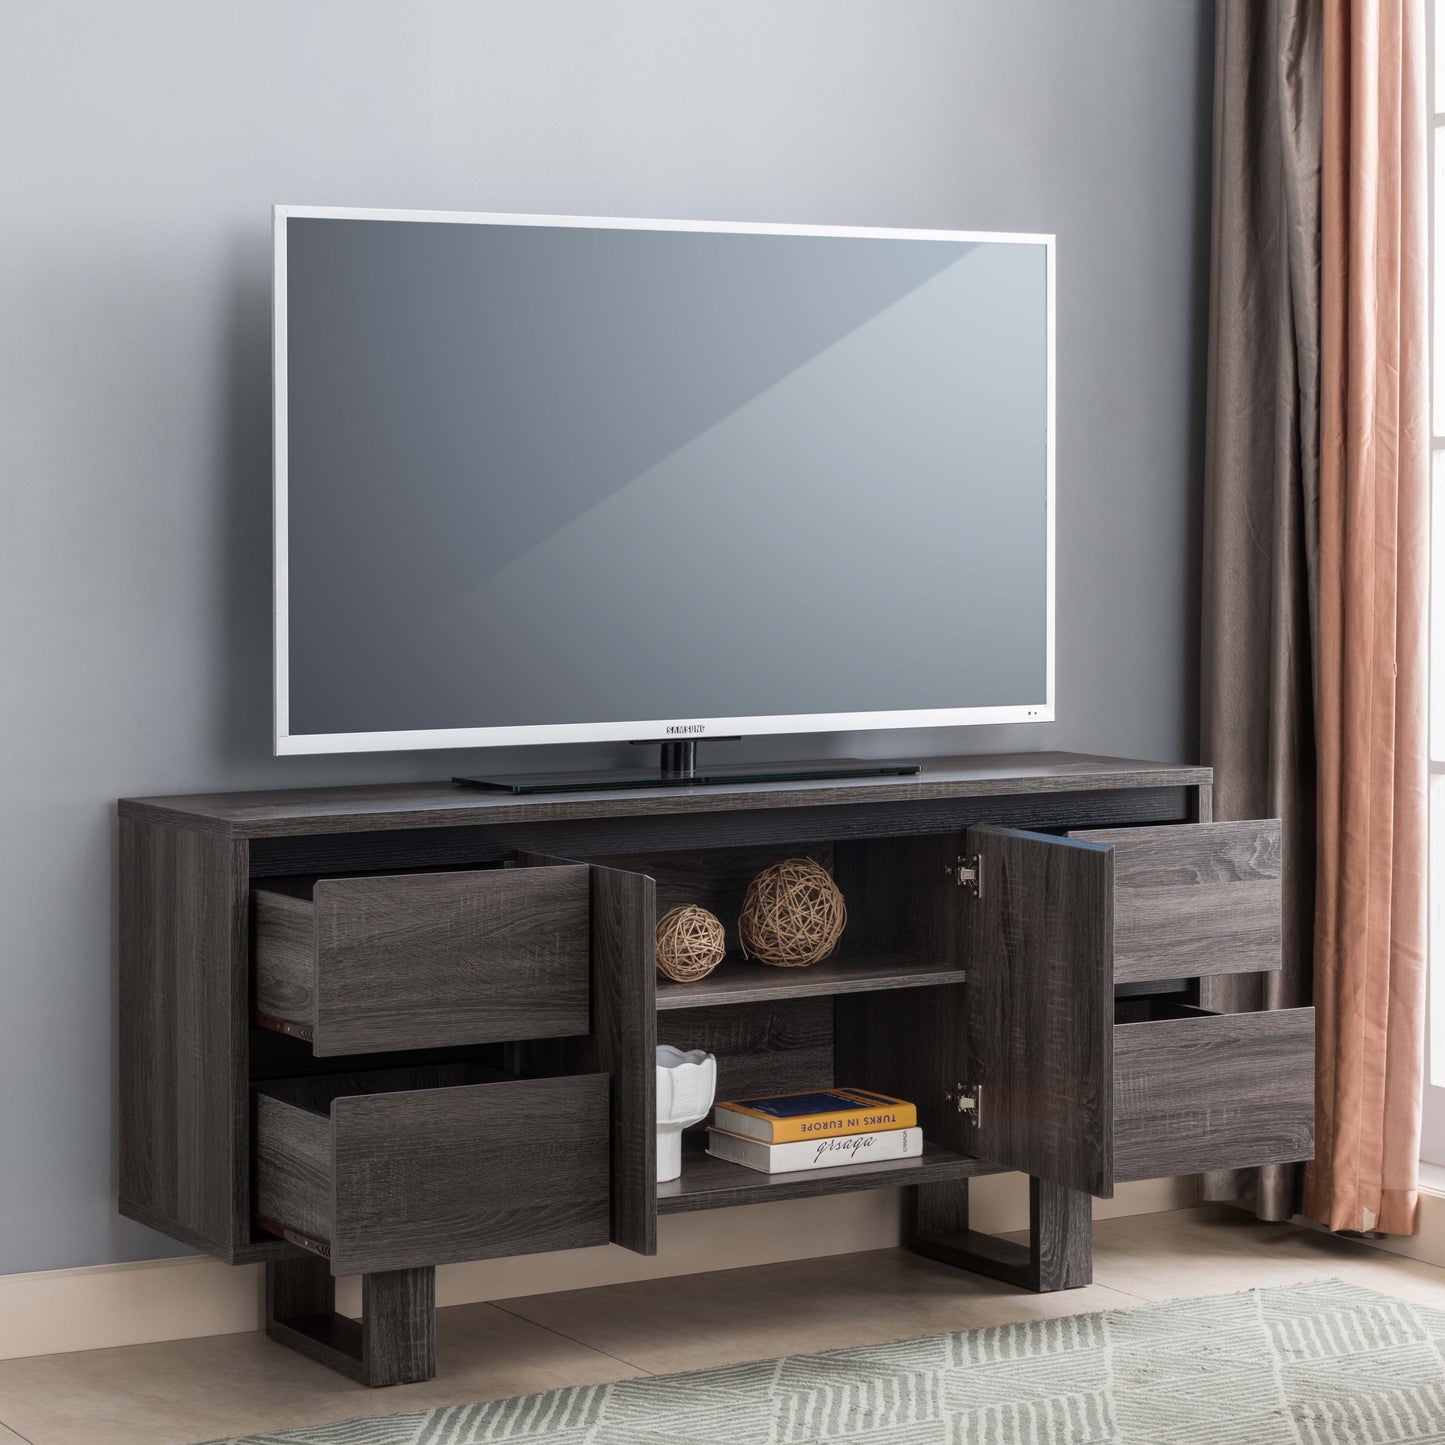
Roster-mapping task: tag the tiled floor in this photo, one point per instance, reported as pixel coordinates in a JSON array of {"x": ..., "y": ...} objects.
[{"x": 194, "y": 1390}]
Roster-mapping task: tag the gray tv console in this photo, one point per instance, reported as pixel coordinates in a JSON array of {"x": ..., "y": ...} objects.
[{"x": 373, "y": 1030}]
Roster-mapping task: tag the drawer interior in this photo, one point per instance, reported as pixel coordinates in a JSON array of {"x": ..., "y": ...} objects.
[
  {"x": 316, "y": 1094},
  {"x": 1156, "y": 1008}
]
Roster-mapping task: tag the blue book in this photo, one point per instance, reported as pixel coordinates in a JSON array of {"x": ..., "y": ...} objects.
[{"x": 787, "y": 1118}]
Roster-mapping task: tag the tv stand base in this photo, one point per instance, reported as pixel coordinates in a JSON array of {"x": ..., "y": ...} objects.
[
  {"x": 679, "y": 768},
  {"x": 394, "y": 1342},
  {"x": 343, "y": 1013},
  {"x": 1060, "y": 1249}
]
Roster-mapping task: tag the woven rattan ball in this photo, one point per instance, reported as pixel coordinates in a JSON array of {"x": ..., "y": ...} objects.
[
  {"x": 690, "y": 943},
  {"x": 793, "y": 914}
]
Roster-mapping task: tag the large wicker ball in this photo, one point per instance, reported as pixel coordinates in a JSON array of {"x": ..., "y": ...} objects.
[
  {"x": 793, "y": 914},
  {"x": 690, "y": 943}
]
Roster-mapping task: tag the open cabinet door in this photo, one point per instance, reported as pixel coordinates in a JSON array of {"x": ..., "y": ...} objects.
[
  {"x": 1040, "y": 1019},
  {"x": 623, "y": 1039}
]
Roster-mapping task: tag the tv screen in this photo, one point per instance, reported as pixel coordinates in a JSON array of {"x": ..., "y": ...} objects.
[{"x": 554, "y": 479}]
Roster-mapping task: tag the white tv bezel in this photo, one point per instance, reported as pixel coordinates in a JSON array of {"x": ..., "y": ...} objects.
[{"x": 288, "y": 743}]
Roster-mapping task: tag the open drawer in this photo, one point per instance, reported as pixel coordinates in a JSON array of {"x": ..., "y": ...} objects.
[
  {"x": 1081, "y": 1091},
  {"x": 423, "y": 960},
  {"x": 1194, "y": 898},
  {"x": 406, "y": 1167}
]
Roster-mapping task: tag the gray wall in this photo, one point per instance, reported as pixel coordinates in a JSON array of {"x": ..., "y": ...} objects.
[{"x": 141, "y": 147}]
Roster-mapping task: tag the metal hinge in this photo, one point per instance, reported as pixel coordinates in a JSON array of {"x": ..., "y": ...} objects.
[
  {"x": 966, "y": 873},
  {"x": 968, "y": 1099}
]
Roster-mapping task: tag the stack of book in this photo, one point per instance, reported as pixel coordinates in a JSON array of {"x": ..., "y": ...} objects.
[{"x": 826, "y": 1129}]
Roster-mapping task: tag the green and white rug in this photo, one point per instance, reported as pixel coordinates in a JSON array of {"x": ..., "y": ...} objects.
[{"x": 1314, "y": 1364}]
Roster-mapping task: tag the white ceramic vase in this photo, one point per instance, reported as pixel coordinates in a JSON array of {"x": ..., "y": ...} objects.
[{"x": 685, "y": 1086}]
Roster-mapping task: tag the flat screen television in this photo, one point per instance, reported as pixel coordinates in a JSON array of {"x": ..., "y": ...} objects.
[{"x": 555, "y": 479}]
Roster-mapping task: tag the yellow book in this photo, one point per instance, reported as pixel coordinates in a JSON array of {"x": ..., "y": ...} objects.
[{"x": 787, "y": 1118}]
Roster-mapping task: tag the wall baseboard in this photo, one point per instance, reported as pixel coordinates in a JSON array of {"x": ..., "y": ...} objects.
[{"x": 104, "y": 1306}]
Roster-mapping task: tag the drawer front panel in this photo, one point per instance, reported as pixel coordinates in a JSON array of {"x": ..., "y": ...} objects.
[
  {"x": 429, "y": 960},
  {"x": 1194, "y": 899},
  {"x": 1213, "y": 1091},
  {"x": 473, "y": 1173},
  {"x": 431, "y": 1175}
]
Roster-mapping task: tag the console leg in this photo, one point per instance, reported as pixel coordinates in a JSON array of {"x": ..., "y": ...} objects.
[
  {"x": 1059, "y": 1254},
  {"x": 399, "y": 1321},
  {"x": 394, "y": 1342},
  {"x": 1061, "y": 1236}
]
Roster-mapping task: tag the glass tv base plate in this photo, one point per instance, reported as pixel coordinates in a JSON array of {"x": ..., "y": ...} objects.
[{"x": 713, "y": 773}]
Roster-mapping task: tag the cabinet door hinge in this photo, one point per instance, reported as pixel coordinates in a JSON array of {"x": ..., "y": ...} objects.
[
  {"x": 966, "y": 873},
  {"x": 968, "y": 1099}
]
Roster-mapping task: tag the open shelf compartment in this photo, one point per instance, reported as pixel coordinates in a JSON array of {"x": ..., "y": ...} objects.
[
  {"x": 899, "y": 934},
  {"x": 708, "y": 1183},
  {"x": 885, "y": 1013},
  {"x": 739, "y": 980}
]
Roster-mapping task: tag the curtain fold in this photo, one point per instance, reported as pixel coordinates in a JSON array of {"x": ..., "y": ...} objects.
[
  {"x": 1261, "y": 500},
  {"x": 1371, "y": 666},
  {"x": 1316, "y": 559}
]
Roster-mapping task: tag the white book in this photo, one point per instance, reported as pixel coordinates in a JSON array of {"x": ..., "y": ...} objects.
[{"x": 833, "y": 1153}]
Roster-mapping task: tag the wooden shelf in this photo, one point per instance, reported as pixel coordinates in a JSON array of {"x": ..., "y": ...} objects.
[
  {"x": 708, "y": 1183},
  {"x": 739, "y": 980}
]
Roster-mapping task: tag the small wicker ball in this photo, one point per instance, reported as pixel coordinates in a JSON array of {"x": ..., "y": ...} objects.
[
  {"x": 690, "y": 943},
  {"x": 793, "y": 914}
]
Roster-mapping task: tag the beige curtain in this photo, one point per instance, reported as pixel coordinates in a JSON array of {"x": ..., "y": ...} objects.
[
  {"x": 1261, "y": 497},
  {"x": 1371, "y": 662}
]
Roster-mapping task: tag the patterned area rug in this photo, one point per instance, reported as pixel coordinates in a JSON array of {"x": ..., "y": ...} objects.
[{"x": 1315, "y": 1364}]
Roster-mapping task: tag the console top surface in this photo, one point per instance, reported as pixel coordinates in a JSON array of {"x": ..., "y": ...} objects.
[{"x": 301, "y": 811}]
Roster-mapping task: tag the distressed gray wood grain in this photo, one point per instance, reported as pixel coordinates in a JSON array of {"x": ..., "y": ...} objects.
[
  {"x": 778, "y": 1046},
  {"x": 435, "y": 1176},
  {"x": 909, "y": 1043},
  {"x": 1059, "y": 1252},
  {"x": 745, "y": 981},
  {"x": 1040, "y": 1009},
  {"x": 399, "y": 1326},
  {"x": 294, "y": 1172},
  {"x": 294, "y": 812},
  {"x": 393, "y": 1343},
  {"x": 712, "y": 878},
  {"x": 902, "y": 896},
  {"x": 441, "y": 844},
  {"x": 399, "y": 1179},
  {"x": 917, "y": 1045},
  {"x": 283, "y": 947},
  {"x": 936, "y": 1225},
  {"x": 316, "y": 1092},
  {"x": 1202, "y": 1091},
  {"x": 708, "y": 1183},
  {"x": 301, "y": 1314},
  {"x": 184, "y": 1016},
  {"x": 624, "y": 1043},
  {"x": 1055, "y": 1112},
  {"x": 1201, "y": 898},
  {"x": 298, "y": 1289},
  {"x": 426, "y": 960},
  {"x": 1061, "y": 1236}
]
